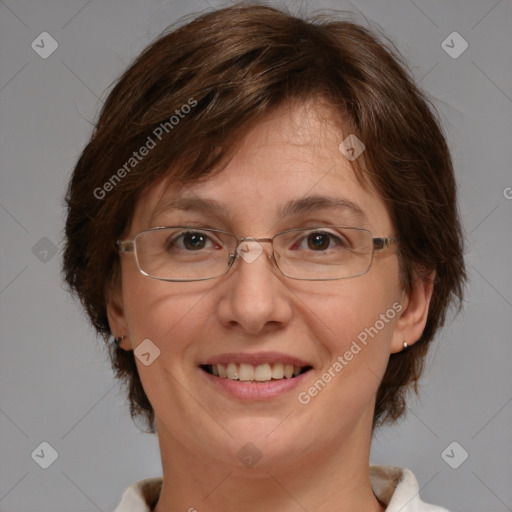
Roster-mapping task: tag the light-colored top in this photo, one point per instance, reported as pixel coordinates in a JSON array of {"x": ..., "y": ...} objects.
[{"x": 396, "y": 487}]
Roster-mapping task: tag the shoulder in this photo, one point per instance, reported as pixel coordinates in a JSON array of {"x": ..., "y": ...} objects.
[{"x": 399, "y": 490}]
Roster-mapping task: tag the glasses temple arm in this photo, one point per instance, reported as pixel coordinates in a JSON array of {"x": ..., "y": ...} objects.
[
  {"x": 383, "y": 243},
  {"x": 125, "y": 245}
]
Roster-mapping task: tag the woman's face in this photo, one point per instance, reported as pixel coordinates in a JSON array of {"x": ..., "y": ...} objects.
[{"x": 343, "y": 330}]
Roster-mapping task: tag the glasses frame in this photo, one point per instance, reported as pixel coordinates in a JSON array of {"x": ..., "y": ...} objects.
[{"x": 379, "y": 244}]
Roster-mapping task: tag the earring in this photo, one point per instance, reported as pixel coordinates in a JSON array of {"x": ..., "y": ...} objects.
[
  {"x": 405, "y": 345},
  {"x": 118, "y": 341}
]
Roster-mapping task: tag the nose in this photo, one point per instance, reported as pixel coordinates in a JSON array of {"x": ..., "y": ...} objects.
[{"x": 254, "y": 296}]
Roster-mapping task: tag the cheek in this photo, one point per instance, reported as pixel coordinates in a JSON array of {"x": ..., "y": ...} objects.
[
  {"x": 353, "y": 324},
  {"x": 345, "y": 311},
  {"x": 169, "y": 314},
  {"x": 173, "y": 318}
]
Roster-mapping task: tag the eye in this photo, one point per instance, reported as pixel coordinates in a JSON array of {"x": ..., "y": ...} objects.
[
  {"x": 319, "y": 241},
  {"x": 191, "y": 241}
]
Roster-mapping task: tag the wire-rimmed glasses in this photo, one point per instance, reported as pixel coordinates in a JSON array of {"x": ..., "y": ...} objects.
[{"x": 189, "y": 253}]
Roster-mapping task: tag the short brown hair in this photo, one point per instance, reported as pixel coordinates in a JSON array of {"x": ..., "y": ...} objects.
[{"x": 230, "y": 67}]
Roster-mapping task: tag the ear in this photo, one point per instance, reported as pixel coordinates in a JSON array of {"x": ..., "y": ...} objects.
[
  {"x": 413, "y": 315},
  {"x": 116, "y": 317}
]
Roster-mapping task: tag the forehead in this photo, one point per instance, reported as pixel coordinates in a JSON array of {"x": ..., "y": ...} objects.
[{"x": 287, "y": 164}]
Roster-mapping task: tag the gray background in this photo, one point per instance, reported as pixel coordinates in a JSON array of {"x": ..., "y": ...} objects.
[{"x": 56, "y": 383}]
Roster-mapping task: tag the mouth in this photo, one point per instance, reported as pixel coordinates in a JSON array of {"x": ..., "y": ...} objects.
[
  {"x": 261, "y": 373},
  {"x": 255, "y": 377}
]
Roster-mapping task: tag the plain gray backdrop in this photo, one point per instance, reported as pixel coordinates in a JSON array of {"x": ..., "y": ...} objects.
[{"x": 56, "y": 385}]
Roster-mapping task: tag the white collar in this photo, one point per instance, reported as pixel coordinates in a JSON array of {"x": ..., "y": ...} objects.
[{"x": 396, "y": 487}]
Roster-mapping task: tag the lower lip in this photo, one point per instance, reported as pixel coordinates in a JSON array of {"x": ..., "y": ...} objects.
[{"x": 255, "y": 390}]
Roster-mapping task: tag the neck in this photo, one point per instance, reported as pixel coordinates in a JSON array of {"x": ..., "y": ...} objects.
[{"x": 333, "y": 478}]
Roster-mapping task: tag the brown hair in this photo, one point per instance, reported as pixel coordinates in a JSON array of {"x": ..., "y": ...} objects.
[{"x": 191, "y": 95}]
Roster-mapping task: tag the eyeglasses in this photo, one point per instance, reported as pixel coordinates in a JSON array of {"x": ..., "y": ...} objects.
[{"x": 185, "y": 253}]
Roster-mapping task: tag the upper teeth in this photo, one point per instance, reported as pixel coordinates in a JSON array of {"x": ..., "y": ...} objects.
[{"x": 262, "y": 372}]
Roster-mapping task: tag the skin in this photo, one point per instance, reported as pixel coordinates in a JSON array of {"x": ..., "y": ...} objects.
[{"x": 314, "y": 456}]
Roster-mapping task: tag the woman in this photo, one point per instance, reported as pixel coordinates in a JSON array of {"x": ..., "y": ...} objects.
[{"x": 265, "y": 222}]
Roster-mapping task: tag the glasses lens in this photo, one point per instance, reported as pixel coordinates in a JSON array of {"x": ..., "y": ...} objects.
[
  {"x": 324, "y": 253},
  {"x": 182, "y": 253}
]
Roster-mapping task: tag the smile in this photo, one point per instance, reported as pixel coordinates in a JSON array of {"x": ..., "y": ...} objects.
[
  {"x": 246, "y": 372},
  {"x": 255, "y": 376}
]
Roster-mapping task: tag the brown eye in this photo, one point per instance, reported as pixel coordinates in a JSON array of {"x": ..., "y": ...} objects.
[
  {"x": 318, "y": 241},
  {"x": 191, "y": 241},
  {"x": 194, "y": 241}
]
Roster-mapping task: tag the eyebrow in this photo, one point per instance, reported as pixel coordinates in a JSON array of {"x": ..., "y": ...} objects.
[{"x": 293, "y": 207}]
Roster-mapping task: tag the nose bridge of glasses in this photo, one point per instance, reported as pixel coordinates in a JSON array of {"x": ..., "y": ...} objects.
[
  {"x": 250, "y": 248},
  {"x": 254, "y": 239}
]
